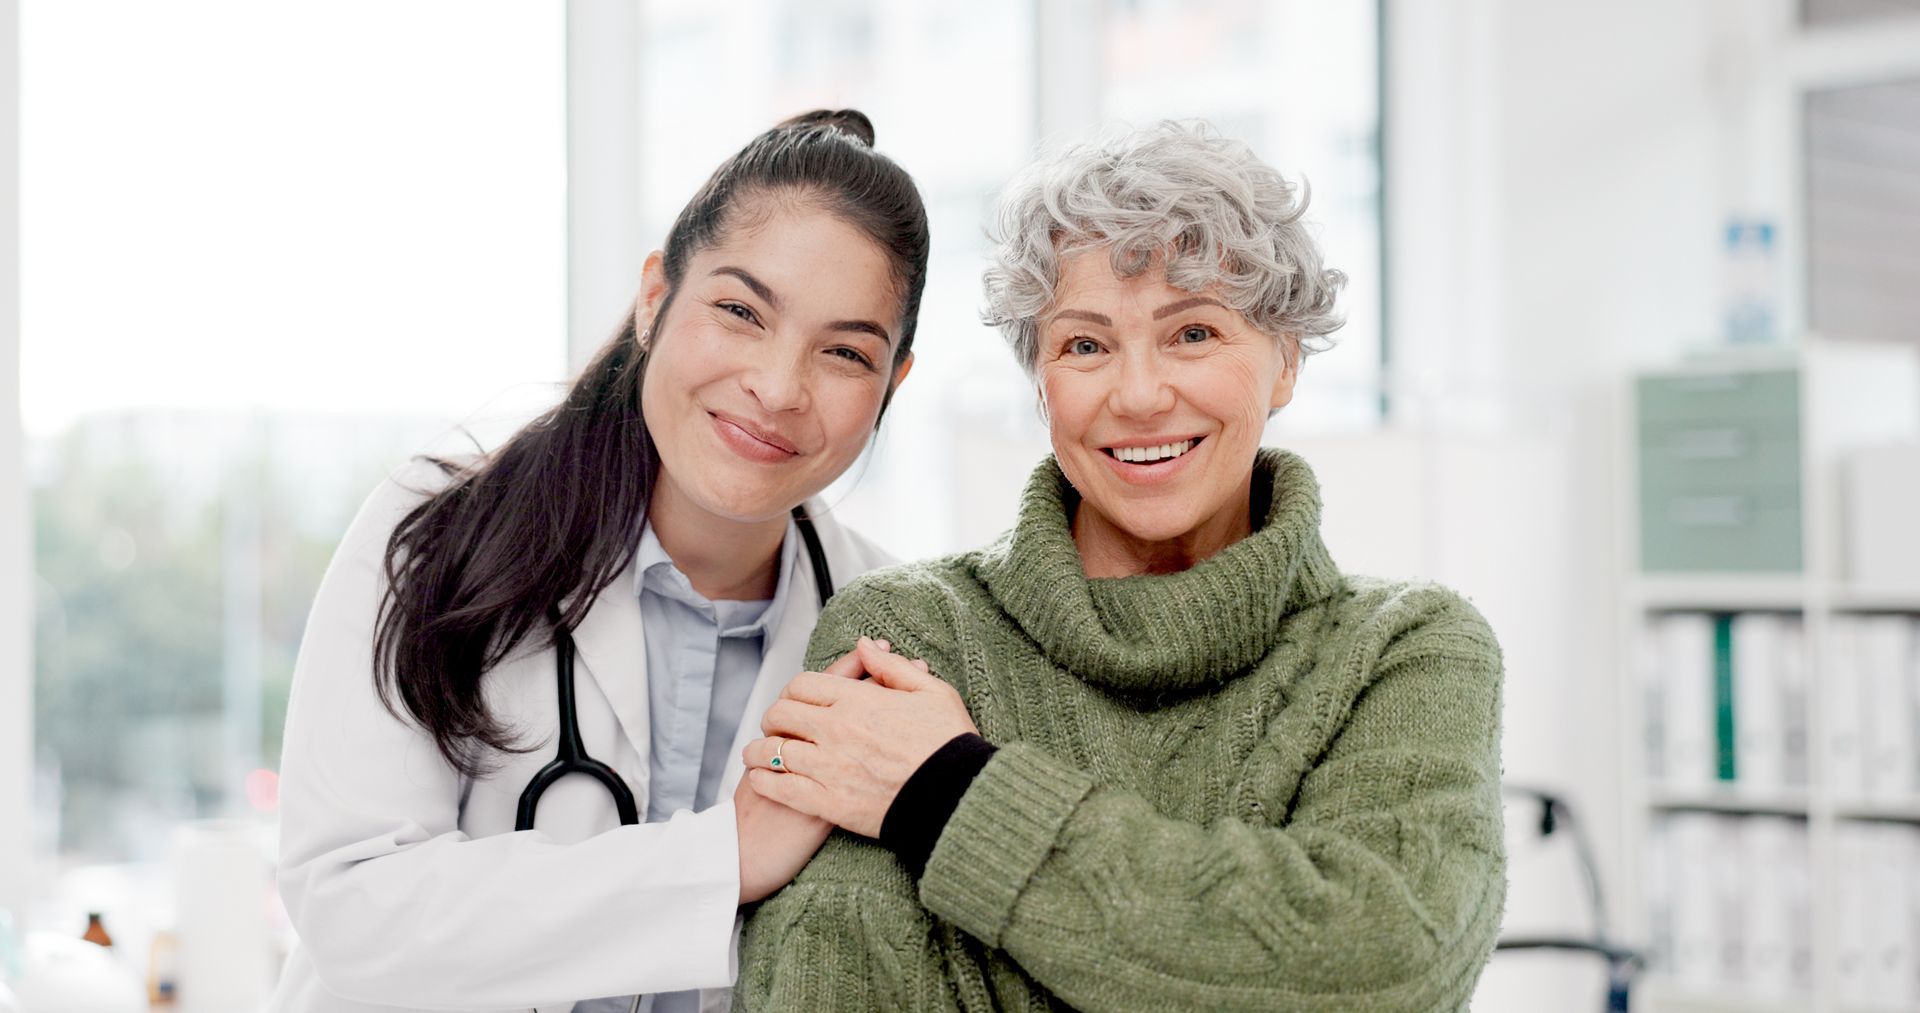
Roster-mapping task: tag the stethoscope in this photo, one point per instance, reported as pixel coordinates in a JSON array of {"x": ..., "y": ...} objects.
[{"x": 572, "y": 757}]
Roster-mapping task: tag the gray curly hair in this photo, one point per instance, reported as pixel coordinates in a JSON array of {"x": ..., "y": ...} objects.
[{"x": 1178, "y": 189}]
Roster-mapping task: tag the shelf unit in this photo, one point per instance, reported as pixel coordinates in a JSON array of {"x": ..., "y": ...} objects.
[
  {"x": 1665, "y": 996},
  {"x": 1829, "y": 424},
  {"x": 1730, "y": 799}
]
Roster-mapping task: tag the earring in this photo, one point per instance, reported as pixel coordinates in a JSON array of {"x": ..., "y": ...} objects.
[{"x": 644, "y": 335}]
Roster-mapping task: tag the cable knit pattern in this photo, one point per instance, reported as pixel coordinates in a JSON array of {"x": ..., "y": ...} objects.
[{"x": 1255, "y": 784}]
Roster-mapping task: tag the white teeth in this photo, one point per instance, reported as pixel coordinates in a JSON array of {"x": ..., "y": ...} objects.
[{"x": 1143, "y": 455}]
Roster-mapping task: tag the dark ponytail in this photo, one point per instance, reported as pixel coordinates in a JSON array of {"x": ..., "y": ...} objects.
[{"x": 544, "y": 523}]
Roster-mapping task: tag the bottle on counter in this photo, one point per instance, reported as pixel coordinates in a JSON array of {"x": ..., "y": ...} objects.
[
  {"x": 97, "y": 931},
  {"x": 161, "y": 960},
  {"x": 1751, "y": 285}
]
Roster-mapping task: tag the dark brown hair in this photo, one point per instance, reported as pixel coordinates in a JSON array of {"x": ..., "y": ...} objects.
[{"x": 536, "y": 529}]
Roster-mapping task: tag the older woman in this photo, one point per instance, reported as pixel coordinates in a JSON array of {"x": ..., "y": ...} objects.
[{"x": 1151, "y": 749}]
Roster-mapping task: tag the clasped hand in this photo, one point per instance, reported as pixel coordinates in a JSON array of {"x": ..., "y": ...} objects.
[{"x": 847, "y": 745}]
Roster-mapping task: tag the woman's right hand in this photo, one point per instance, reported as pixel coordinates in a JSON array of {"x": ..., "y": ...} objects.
[{"x": 776, "y": 842}]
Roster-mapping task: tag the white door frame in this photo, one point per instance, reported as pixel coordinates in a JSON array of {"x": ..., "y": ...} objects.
[{"x": 16, "y": 563}]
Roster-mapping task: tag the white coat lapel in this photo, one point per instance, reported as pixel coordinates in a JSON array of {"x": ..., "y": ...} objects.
[
  {"x": 611, "y": 645},
  {"x": 785, "y": 654}
]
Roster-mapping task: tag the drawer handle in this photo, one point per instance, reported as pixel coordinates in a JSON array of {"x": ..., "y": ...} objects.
[
  {"x": 1706, "y": 384},
  {"x": 1709, "y": 511},
  {"x": 1709, "y": 444}
]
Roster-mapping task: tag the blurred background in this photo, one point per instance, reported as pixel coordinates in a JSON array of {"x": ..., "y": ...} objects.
[{"x": 1630, "y": 360}]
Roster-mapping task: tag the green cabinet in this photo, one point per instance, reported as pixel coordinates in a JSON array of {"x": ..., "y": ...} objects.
[{"x": 1719, "y": 471}]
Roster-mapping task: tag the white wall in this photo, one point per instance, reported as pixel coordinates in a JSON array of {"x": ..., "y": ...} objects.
[
  {"x": 606, "y": 245},
  {"x": 1491, "y": 516},
  {"x": 16, "y": 568},
  {"x": 1556, "y": 177},
  {"x": 1487, "y": 515}
]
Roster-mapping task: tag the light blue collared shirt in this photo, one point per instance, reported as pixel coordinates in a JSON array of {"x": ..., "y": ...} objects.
[{"x": 703, "y": 658}]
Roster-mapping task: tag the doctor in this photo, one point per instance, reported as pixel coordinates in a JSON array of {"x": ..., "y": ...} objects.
[{"x": 643, "y": 534}]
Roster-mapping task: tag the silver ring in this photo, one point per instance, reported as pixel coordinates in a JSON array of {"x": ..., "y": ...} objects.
[{"x": 777, "y": 763}]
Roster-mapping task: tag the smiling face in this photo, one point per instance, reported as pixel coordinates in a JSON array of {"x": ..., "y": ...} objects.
[
  {"x": 766, "y": 374},
  {"x": 1156, "y": 398}
]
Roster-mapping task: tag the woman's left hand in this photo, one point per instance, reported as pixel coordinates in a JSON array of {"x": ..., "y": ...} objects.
[{"x": 849, "y": 745}]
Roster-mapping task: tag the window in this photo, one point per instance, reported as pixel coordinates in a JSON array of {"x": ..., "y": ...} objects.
[
  {"x": 954, "y": 91},
  {"x": 268, "y": 253},
  {"x": 1863, "y": 210},
  {"x": 948, "y": 88},
  {"x": 1836, "y": 12},
  {"x": 271, "y": 251},
  {"x": 1298, "y": 80}
]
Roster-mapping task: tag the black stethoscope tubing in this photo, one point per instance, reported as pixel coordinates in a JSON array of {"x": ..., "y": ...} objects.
[{"x": 572, "y": 758}]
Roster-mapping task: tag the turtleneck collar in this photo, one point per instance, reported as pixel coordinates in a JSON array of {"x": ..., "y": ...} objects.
[{"x": 1163, "y": 633}]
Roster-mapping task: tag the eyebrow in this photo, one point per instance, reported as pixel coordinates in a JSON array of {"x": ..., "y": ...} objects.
[
  {"x": 746, "y": 278},
  {"x": 766, "y": 294},
  {"x": 1159, "y": 314},
  {"x": 863, "y": 327},
  {"x": 1186, "y": 304}
]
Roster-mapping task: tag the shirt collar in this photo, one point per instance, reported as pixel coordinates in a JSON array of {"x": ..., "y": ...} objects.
[{"x": 656, "y": 571}]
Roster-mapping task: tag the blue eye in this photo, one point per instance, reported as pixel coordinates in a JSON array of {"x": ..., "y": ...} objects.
[
  {"x": 1083, "y": 346},
  {"x": 1196, "y": 334}
]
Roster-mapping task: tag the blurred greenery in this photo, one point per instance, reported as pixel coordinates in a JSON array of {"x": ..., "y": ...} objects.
[{"x": 131, "y": 556}]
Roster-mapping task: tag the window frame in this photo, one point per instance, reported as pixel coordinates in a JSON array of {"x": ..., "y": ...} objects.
[{"x": 16, "y": 589}]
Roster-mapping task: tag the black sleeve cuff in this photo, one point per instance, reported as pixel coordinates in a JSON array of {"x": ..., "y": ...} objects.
[{"x": 926, "y": 802}]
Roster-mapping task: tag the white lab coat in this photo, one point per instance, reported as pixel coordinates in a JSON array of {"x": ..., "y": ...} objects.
[{"x": 405, "y": 881}]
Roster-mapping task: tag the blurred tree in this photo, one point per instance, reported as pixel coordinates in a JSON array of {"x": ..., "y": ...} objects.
[
  {"x": 128, "y": 665},
  {"x": 127, "y": 644}
]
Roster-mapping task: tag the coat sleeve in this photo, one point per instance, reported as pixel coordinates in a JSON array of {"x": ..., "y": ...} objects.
[
  {"x": 1381, "y": 889},
  {"x": 395, "y": 905}
]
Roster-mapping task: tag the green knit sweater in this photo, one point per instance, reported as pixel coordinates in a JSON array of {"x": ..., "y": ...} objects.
[{"x": 1255, "y": 784}]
